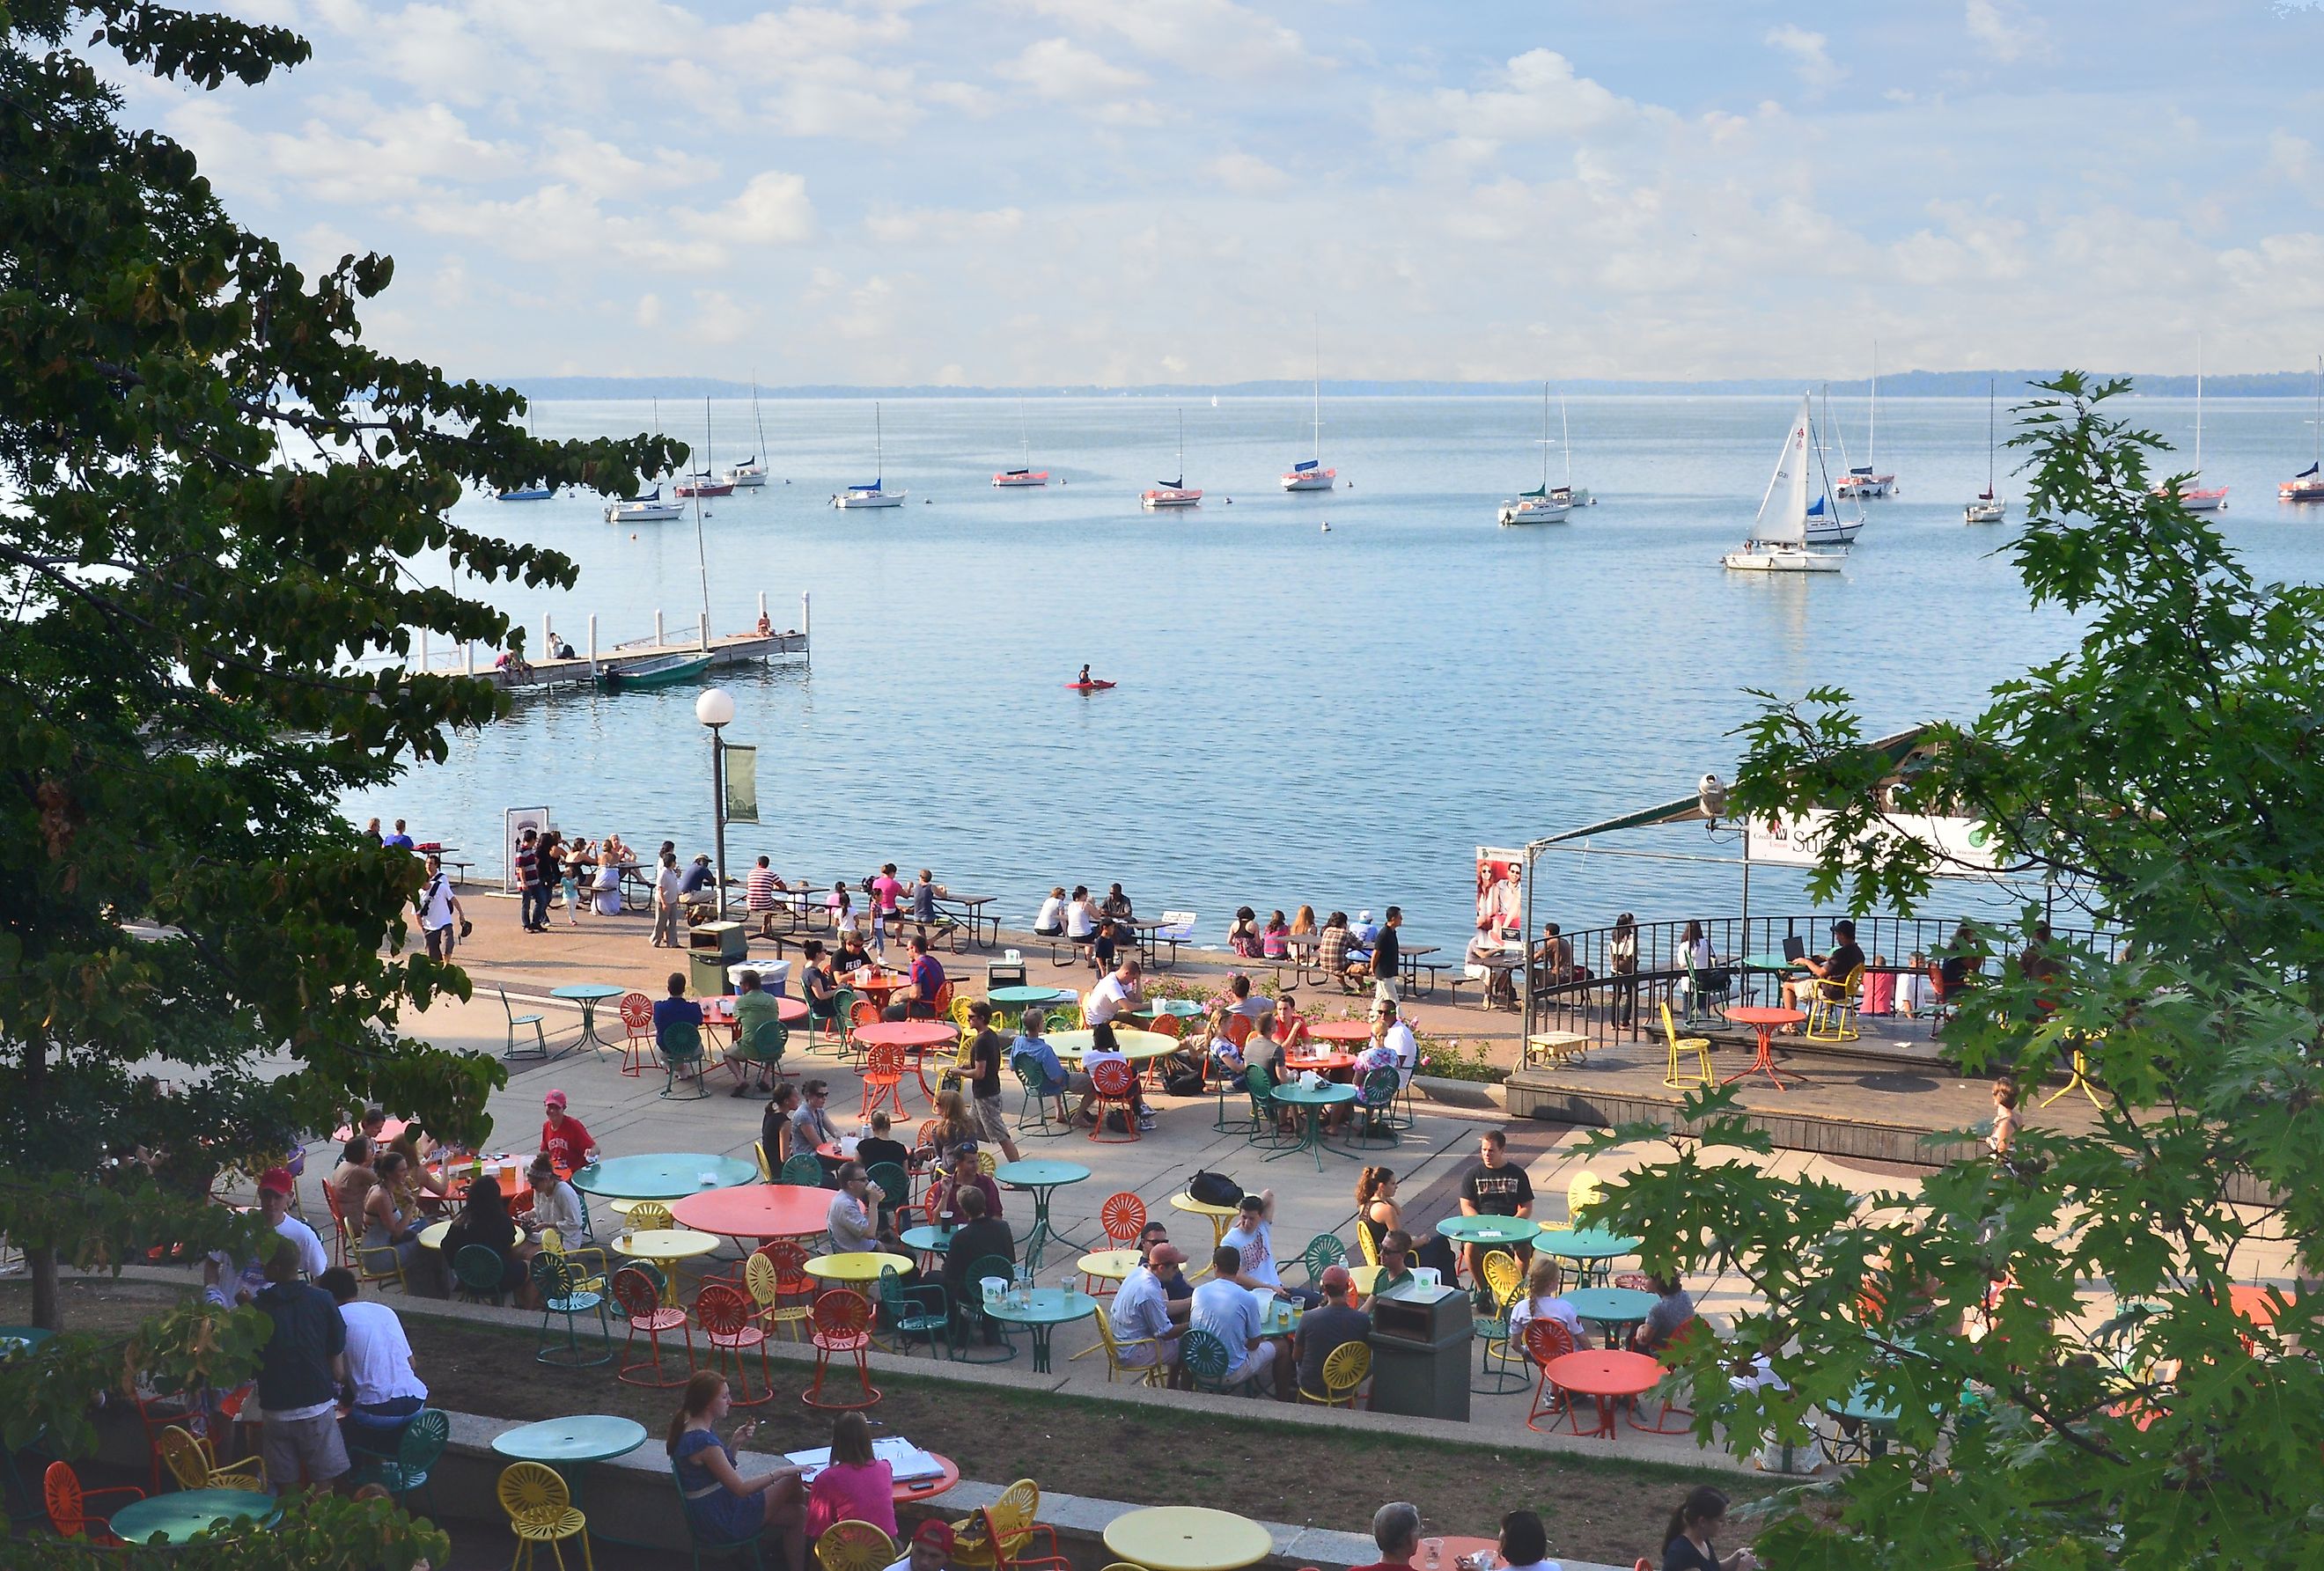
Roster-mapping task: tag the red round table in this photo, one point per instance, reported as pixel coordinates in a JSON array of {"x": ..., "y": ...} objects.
[
  {"x": 1340, "y": 1030},
  {"x": 721, "y": 1010},
  {"x": 1322, "y": 1062},
  {"x": 1763, "y": 1019},
  {"x": 756, "y": 1211},
  {"x": 1605, "y": 1374},
  {"x": 875, "y": 987},
  {"x": 928, "y": 1488},
  {"x": 907, "y": 1034},
  {"x": 1452, "y": 1546}
]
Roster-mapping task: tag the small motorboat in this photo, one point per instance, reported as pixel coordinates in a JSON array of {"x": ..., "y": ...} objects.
[
  {"x": 525, "y": 493},
  {"x": 655, "y": 671}
]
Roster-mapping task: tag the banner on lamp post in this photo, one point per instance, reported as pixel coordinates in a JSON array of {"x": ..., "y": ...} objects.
[
  {"x": 741, "y": 784},
  {"x": 1963, "y": 847}
]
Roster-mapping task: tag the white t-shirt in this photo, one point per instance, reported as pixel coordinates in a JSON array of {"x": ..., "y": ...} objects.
[
  {"x": 1257, "y": 1244},
  {"x": 379, "y": 1356},
  {"x": 1141, "y": 1311},
  {"x": 1398, "y": 1039},
  {"x": 1052, "y": 917},
  {"x": 1229, "y": 1313},
  {"x": 666, "y": 882},
  {"x": 1081, "y": 919},
  {"x": 558, "y": 1207},
  {"x": 436, "y": 904},
  {"x": 251, "y": 1274},
  {"x": 1108, "y": 1000},
  {"x": 1549, "y": 1309},
  {"x": 1252, "y": 1007}
]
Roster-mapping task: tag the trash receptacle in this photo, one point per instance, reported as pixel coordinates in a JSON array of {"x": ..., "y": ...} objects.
[
  {"x": 1421, "y": 1341},
  {"x": 710, "y": 948}
]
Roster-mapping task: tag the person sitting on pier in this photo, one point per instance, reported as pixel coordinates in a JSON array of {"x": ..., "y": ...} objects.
[
  {"x": 1828, "y": 973},
  {"x": 1553, "y": 958},
  {"x": 1050, "y": 921},
  {"x": 1116, "y": 905},
  {"x": 1479, "y": 962},
  {"x": 1274, "y": 939},
  {"x": 564, "y": 650},
  {"x": 766, "y": 624}
]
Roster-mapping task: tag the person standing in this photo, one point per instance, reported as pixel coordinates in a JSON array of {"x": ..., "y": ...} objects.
[
  {"x": 300, "y": 1370},
  {"x": 531, "y": 892},
  {"x": 668, "y": 902},
  {"x": 439, "y": 910},
  {"x": 1622, "y": 960},
  {"x": 984, "y": 1055},
  {"x": 1387, "y": 957}
]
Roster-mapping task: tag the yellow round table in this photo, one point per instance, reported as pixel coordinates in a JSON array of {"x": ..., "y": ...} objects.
[
  {"x": 1112, "y": 1264},
  {"x": 1137, "y": 1047},
  {"x": 1188, "y": 1538},
  {"x": 1220, "y": 1216},
  {"x": 431, "y": 1236},
  {"x": 858, "y": 1269},
  {"x": 665, "y": 1247}
]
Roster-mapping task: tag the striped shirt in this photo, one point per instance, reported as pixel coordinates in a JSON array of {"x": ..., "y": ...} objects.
[{"x": 758, "y": 889}]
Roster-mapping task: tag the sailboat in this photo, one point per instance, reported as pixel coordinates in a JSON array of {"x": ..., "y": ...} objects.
[
  {"x": 2308, "y": 485},
  {"x": 1778, "y": 541},
  {"x": 651, "y": 507},
  {"x": 2197, "y": 499},
  {"x": 704, "y": 482},
  {"x": 1029, "y": 475},
  {"x": 1987, "y": 509},
  {"x": 1542, "y": 505},
  {"x": 751, "y": 473},
  {"x": 526, "y": 493},
  {"x": 1859, "y": 480},
  {"x": 1172, "y": 493},
  {"x": 1309, "y": 473},
  {"x": 872, "y": 495}
]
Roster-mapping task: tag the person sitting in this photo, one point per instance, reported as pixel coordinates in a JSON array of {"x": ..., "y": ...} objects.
[
  {"x": 676, "y": 1009},
  {"x": 955, "y": 1124},
  {"x": 1378, "y": 1215},
  {"x": 978, "y": 1235},
  {"x": 811, "y": 1125},
  {"x": 722, "y": 1506},
  {"x": 759, "y": 888},
  {"x": 1541, "y": 1300},
  {"x": 1363, "y": 932},
  {"x": 1142, "y": 1310},
  {"x": 857, "y": 1486},
  {"x": 350, "y": 1182},
  {"x": 1275, "y": 938},
  {"x": 391, "y": 1216},
  {"x": 1116, "y": 905},
  {"x": 1553, "y": 958},
  {"x": 1106, "y": 1047},
  {"x": 779, "y": 1129},
  {"x": 1031, "y": 1046},
  {"x": 555, "y": 1202},
  {"x": 1396, "y": 1036},
  {"x": 698, "y": 886},
  {"x": 1242, "y": 934},
  {"x": 383, "y": 1376},
  {"x": 1673, "y": 1309},
  {"x": 851, "y": 1221},
  {"x": 1331, "y": 956},
  {"x": 1175, "y": 1288},
  {"x": 1228, "y": 1310},
  {"x": 964, "y": 1176},
  {"x": 931, "y": 1549},
  {"x": 1396, "y": 1532},
  {"x": 1081, "y": 922},
  {"x": 1323, "y": 1331},
  {"x": 1289, "y": 1026},
  {"x": 922, "y": 983},
  {"x": 753, "y": 1006},
  {"x": 1252, "y": 1235},
  {"x": 921, "y": 899},
  {"x": 1228, "y": 1061},
  {"x": 485, "y": 1222},
  {"x": 1116, "y": 993},
  {"x": 1478, "y": 963},
  {"x": 851, "y": 956},
  {"x": 1828, "y": 974},
  {"x": 1686, "y": 1541},
  {"x": 1237, "y": 999},
  {"x": 819, "y": 985},
  {"x": 1395, "y": 1262},
  {"x": 1523, "y": 1546},
  {"x": 1050, "y": 921}
]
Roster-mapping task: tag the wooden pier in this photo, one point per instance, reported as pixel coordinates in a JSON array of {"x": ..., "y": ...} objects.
[{"x": 589, "y": 661}]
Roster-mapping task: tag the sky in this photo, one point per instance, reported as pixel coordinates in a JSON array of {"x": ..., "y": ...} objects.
[{"x": 1033, "y": 192}]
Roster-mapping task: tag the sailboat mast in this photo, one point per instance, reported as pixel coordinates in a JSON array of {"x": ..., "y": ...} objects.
[
  {"x": 1315, "y": 392},
  {"x": 1025, "y": 433},
  {"x": 878, "y": 445},
  {"x": 1872, "y": 421},
  {"x": 2315, "y": 454},
  {"x": 2199, "y": 407},
  {"x": 1989, "y": 384},
  {"x": 1545, "y": 439},
  {"x": 701, "y": 553},
  {"x": 1565, "y": 442},
  {"x": 1182, "y": 449},
  {"x": 758, "y": 419}
]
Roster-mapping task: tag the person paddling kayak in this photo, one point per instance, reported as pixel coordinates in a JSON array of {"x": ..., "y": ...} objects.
[{"x": 1085, "y": 682}]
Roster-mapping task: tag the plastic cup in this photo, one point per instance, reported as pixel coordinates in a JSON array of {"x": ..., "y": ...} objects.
[{"x": 1433, "y": 1549}]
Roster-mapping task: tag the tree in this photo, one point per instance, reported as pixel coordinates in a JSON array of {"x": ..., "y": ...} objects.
[
  {"x": 212, "y": 496},
  {"x": 2165, "y": 777}
]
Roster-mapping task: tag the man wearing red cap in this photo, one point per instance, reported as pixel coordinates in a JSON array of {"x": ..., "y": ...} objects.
[
  {"x": 564, "y": 1139},
  {"x": 931, "y": 1549},
  {"x": 223, "y": 1283}
]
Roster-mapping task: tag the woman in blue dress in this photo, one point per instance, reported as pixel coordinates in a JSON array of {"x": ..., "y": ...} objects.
[{"x": 722, "y": 1505}]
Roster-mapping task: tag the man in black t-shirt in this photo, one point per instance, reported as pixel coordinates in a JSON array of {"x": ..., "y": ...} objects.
[
  {"x": 1828, "y": 975},
  {"x": 300, "y": 1370},
  {"x": 986, "y": 1051},
  {"x": 1495, "y": 1186}
]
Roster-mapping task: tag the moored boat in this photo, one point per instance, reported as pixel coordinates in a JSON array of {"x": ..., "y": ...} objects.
[
  {"x": 2308, "y": 485},
  {"x": 654, "y": 671},
  {"x": 872, "y": 495},
  {"x": 1778, "y": 542},
  {"x": 649, "y": 508}
]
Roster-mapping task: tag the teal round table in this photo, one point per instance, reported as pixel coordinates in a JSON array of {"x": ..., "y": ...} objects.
[
  {"x": 16, "y": 1340},
  {"x": 1314, "y": 1100},
  {"x": 1489, "y": 1229},
  {"x": 589, "y": 994},
  {"x": 1773, "y": 965},
  {"x": 1043, "y": 1311},
  {"x": 1027, "y": 998},
  {"x": 569, "y": 1445},
  {"x": 1588, "y": 1247},
  {"x": 928, "y": 1239},
  {"x": 189, "y": 1513},
  {"x": 1044, "y": 1178},
  {"x": 1177, "y": 1008},
  {"x": 664, "y": 1176},
  {"x": 1614, "y": 1307}
]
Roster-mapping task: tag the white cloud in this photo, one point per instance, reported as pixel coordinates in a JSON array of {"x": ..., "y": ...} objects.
[
  {"x": 1246, "y": 174},
  {"x": 1535, "y": 95},
  {"x": 648, "y": 311},
  {"x": 1810, "y": 55},
  {"x": 2002, "y": 32},
  {"x": 1216, "y": 38},
  {"x": 943, "y": 226},
  {"x": 773, "y": 209}
]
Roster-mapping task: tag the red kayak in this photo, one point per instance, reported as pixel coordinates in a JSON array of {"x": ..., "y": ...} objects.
[{"x": 1088, "y": 686}]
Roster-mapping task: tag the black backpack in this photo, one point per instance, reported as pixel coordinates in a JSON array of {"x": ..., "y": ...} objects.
[{"x": 1214, "y": 1189}]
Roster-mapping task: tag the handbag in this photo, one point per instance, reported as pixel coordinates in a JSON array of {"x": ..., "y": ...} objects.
[{"x": 1214, "y": 1189}]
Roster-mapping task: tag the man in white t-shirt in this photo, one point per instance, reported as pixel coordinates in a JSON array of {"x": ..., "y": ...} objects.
[
  {"x": 1229, "y": 1311},
  {"x": 1116, "y": 993},
  {"x": 1141, "y": 1310},
  {"x": 387, "y": 1388},
  {"x": 439, "y": 909},
  {"x": 1398, "y": 1039},
  {"x": 225, "y": 1283},
  {"x": 1253, "y": 1238},
  {"x": 670, "y": 902}
]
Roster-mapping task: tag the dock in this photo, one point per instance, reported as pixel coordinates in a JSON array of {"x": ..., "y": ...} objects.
[{"x": 589, "y": 661}]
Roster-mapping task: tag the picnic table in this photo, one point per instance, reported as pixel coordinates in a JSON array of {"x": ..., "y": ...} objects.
[{"x": 1415, "y": 961}]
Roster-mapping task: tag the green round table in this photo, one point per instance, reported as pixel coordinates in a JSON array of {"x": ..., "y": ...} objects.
[
  {"x": 179, "y": 1517},
  {"x": 589, "y": 994},
  {"x": 1042, "y": 1179},
  {"x": 1177, "y": 1008},
  {"x": 664, "y": 1176},
  {"x": 568, "y": 1445},
  {"x": 1489, "y": 1229},
  {"x": 1610, "y": 1307},
  {"x": 1045, "y": 1308},
  {"x": 928, "y": 1239},
  {"x": 1314, "y": 1100},
  {"x": 1588, "y": 1247},
  {"x": 1027, "y": 998}
]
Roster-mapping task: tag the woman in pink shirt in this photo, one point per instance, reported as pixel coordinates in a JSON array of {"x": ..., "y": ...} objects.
[{"x": 855, "y": 1487}]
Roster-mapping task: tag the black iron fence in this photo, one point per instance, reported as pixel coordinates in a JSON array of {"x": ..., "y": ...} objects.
[{"x": 1619, "y": 977}]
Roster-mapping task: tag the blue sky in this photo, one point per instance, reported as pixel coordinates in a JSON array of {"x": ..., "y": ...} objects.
[{"x": 1122, "y": 191}]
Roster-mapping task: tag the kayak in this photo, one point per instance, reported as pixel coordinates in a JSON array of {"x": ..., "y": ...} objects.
[{"x": 1089, "y": 686}]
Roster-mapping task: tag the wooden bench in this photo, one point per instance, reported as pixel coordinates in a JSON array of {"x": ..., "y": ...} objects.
[{"x": 1553, "y": 1048}]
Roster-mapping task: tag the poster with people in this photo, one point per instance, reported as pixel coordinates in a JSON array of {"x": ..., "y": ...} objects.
[{"x": 1501, "y": 892}]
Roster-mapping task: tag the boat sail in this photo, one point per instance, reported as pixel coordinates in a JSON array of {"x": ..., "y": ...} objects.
[
  {"x": 705, "y": 480},
  {"x": 1172, "y": 493},
  {"x": 2195, "y": 497},
  {"x": 1797, "y": 490},
  {"x": 752, "y": 474},
  {"x": 2308, "y": 485},
  {"x": 1029, "y": 475},
  {"x": 1543, "y": 505},
  {"x": 1987, "y": 509},
  {"x": 651, "y": 507},
  {"x": 1309, "y": 473},
  {"x": 534, "y": 492},
  {"x": 872, "y": 495},
  {"x": 1860, "y": 481}
]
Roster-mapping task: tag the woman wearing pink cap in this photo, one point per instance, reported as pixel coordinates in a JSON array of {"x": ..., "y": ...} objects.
[{"x": 564, "y": 1139}]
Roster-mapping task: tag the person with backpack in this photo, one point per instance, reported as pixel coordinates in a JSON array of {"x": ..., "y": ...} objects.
[{"x": 439, "y": 910}]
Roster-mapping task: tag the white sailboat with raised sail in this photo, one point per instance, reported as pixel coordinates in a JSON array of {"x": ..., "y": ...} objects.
[
  {"x": 2308, "y": 485},
  {"x": 1988, "y": 508},
  {"x": 1012, "y": 479},
  {"x": 751, "y": 473},
  {"x": 1172, "y": 493},
  {"x": 874, "y": 495},
  {"x": 2196, "y": 497},
  {"x": 1543, "y": 505},
  {"x": 1310, "y": 474},
  {"x": 1778, "y": 541},
  {"x": 1861, "y": 482},
  {"x": 650, "y": 507}
]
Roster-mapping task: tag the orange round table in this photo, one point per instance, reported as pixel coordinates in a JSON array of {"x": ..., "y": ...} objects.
[
  {"x": 1450, "y": 1547},
  {"x": 721, "y": 1010},
  {"x": 875, "y": 987},
  {"x": 1604, "y": 1374},
  {"x": 1322, "y": 1062},
  {"x": 907, "y": 1034},
  {"x": 1340, "y": 1030},
  {"x": 1763, "y": 1019},
  {"x": 756, "y": 1211},
  {"x": 928, "y": 1488}
]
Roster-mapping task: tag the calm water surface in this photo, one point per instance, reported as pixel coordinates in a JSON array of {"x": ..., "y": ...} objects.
[{"x": 1334, "y": 717}]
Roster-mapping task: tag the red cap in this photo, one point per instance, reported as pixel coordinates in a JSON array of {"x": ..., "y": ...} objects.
[
  {"x": 933, "y": 1531},
  {"x": 277, "y": 1178}
]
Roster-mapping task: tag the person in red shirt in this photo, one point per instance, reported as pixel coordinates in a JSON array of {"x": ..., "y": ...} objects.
[
  {"x": 1396, "y": 1529},
  {"x": 564, "y": 1139}
]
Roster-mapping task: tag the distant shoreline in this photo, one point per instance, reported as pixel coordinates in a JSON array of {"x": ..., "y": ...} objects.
[{"x": 2014, "y": 386}]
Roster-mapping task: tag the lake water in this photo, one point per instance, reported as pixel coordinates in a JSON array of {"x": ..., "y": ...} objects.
[{"x": 1336, "y": 718}]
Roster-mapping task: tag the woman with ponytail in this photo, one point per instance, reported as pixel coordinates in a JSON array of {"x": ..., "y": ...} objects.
[
  {"x": 1378, "y": 1215},
  {"x": 722, "y": 1505},
  {"x": 1686, "y": 1541}
]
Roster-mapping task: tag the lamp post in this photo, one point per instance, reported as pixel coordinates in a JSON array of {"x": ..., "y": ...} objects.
[{"x": 716, "y": 709}]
